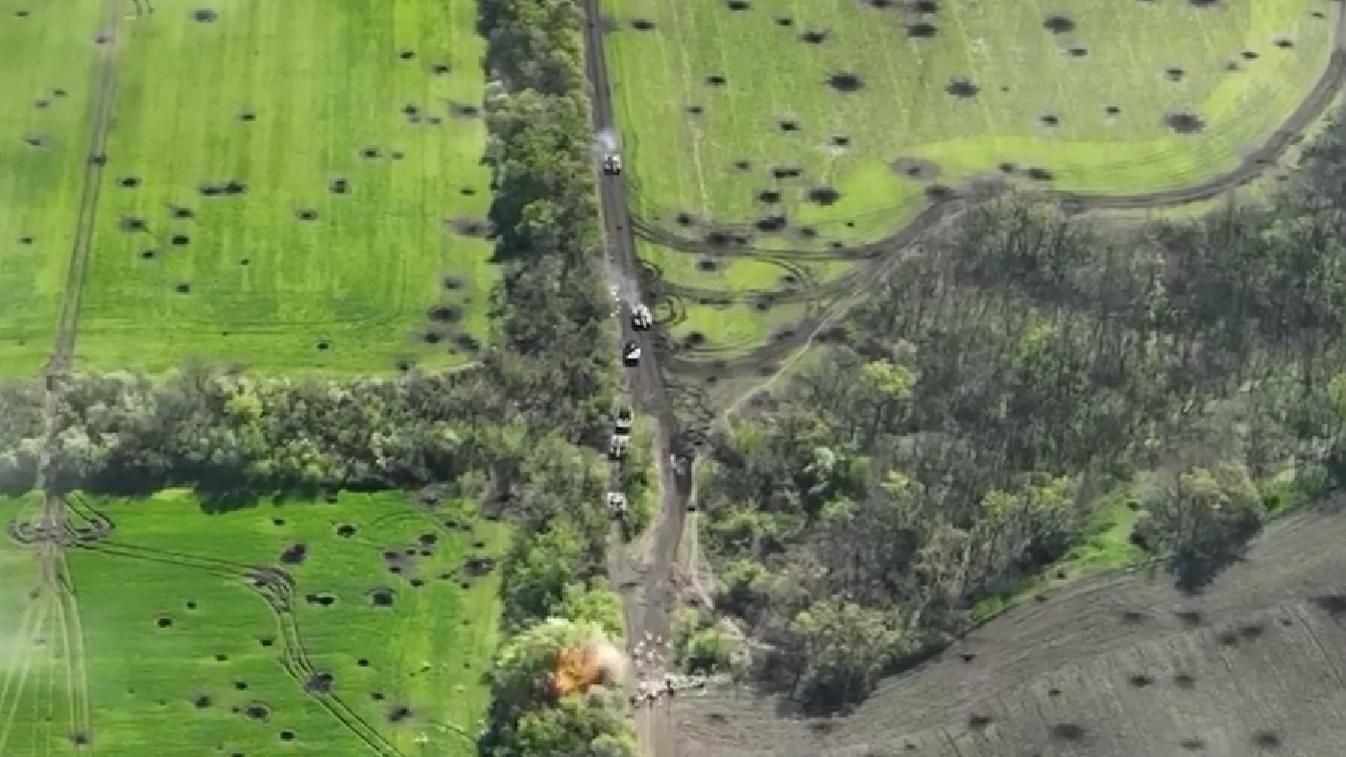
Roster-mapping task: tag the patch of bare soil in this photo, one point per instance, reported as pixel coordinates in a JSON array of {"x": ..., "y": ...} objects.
[{"x": 1117, "y": 666}]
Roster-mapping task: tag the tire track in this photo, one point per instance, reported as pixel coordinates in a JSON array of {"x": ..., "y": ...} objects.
[{"x": 275, "y": 588}]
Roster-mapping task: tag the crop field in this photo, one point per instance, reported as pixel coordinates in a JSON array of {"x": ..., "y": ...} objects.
[
  {"x": 288, "y": 186},
  {"x": 360, "y": 626},
  {"x": 770, "y": 143},
  {"x": 1116, "y": 666}
]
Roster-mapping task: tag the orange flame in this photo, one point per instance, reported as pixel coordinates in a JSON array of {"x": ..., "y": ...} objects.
[{"x": 579, "y": 668}]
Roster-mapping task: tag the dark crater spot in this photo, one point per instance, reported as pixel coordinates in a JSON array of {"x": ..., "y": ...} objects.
[
  {"x": 1059, "y": 24},
  {"x": 204, "y": 15},
  {"x": 1184, "y": 681},
  {"x": 266, "y": 641},
  {"x": 446, "y": 314},
  {"x": 131, "y": 224},
  {"x": 814, "y": 37},
  {"x": 470, "y": 227},
  {"x": 768, "y": 196},
  {"x": 467, "y": 343},
  {"x": 784, "y": 21},
  {"x": 478, "y": 566},
  {"x": 1192, "y": 744},
  {"x": 939, "y": 192},
  {"x": 1053, "y": 692},
  {"x": 1250, "y": 55},
  {"x": 1072, "y": 732},
  {"x": 1332, "y": 604},
  {"x": 1039, "y": 174},
  {"x": 128, "y": 182},
  {"x": 844, "y": 81},
  {"x": 452, "y": 283},
  {"x": 382, "y": 597},
  {"x": 181, "y": 213},
  {"x": 369, "y": 153},
  {"x": 716, "y": 80},
  {"x": 1132, "y": 617},
  {"x": 1283, "y": 43},
  {"x": 201, "y": 702},
  {"x": 1252, "y": 631},
  {"x": 1227, "y": 639},
  {"x": 345, "y": 530},
  {"x": 840, "y": 140},
  {"x": 695, "y": 110},
  {"x": 1112, "y": 110},
  {"x": 642, "y": 24},
  {"x": 407, "y": 54},
  {"x": 706, "y": 265},
  {"x": 287, "y": 735},
  {"x": 295, "y": 554},
  {"x": 1266, "y": 739},
  {"x": 922, "y": 30},
  {"x": 1174, "y": 73},
  {"x": 1189, "y": 618},
  {"x": 439, "y": 69},
  {"x": 788, "y": 125},
  {"x": 978, "y": 720},
  {"x": 1184, "y": 122},
  {"x": 771, "y": 223},
  {"x": 785, "y": 172},
  {"x": 1078, "y": 52},
  {"x": 339, "y": 186},
  {"x": 824, "y": 196},
  {"x": 183, "y": 288},
  {"x": 962, "y": 88},
  {"x": 428, "y": 539},
  {"x": 322, "y": 600},
  {"x": 180, "y": 240},
  {"x": 163, "y": 621},
  {"x": 463, "y": 111},
  {"x": 1140, "y": 680},
  {"x": 399, "y": 713},
  {"x": 98, "y": 159},
  {"x": 694, "y": 339},
  {"x": 684, "y": 219},
  {"x": 148, "y": 254},
  {"x": 306, "y": 214},
  {"x": 742, "y": 165},
  {"x": 1050, "y": 120},
  {"x": 738, "y": 5},
  {"x": 916, "y": 168},
  {"x": 320, "y": 682},
  {"x": 240, "y": 685}
]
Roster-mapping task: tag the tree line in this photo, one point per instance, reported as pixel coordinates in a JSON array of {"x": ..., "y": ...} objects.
[{"x": 1004, "y": 376}]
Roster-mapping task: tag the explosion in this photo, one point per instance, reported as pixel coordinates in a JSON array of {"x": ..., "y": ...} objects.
[{"x": 594, "y": 663}]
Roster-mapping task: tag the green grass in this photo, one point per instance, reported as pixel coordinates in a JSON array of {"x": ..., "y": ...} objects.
[
  {"x": 324, "y": 81},
  {"x": 683, "y": 162},
  {"x": 144, "y": 682},
  {"x": 1106, "y": 545}
]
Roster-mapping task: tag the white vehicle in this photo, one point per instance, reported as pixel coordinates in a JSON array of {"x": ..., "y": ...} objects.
[
  {"x": 617, "y": 447},
  {"x": 612, "y": 164},
  {"x": 623, "y": 422},
  {"x": 631, "y": 354},
  {"x": 616, "y": 504},
  {"x": 641, "y": 319}
]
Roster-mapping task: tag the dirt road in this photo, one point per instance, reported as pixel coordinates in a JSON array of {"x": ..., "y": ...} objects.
[{"x": 644, "y": 582}]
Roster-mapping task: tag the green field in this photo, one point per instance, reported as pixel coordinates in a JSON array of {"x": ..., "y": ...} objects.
[
  {"x": 875, "y": 103},
  {"x": 181, "y": 655},
  {"x": 220, "y": 226}
]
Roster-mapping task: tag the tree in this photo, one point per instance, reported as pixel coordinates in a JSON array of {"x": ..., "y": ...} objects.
[
  {"x": 1202, "y": 517},
  {"x": 840, "y": 650}
]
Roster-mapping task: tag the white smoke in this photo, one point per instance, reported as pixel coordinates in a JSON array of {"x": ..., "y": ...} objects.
[{"x": 606, "y": 141}]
